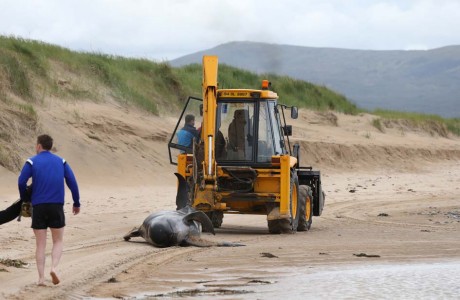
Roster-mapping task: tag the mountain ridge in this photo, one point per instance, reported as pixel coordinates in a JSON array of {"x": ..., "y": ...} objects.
[{"x": 424, "y": 81}]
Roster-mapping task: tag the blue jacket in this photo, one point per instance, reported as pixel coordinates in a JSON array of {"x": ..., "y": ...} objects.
[
  {"x": 48, "y": 172},
  {"x": 186, "y": 134}
]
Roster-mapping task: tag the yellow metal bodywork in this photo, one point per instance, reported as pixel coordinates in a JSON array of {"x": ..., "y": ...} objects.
[
  {"x": 272, "y": 185},
  {"x": 210, "y": 64},
  {"x": 246, "y": 93},
  {"x": 285, "y": 183}
]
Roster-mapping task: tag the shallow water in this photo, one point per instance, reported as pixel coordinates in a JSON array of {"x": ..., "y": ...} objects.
[
  {"x": 383, "y": 281},
  {"x": 402, "y": 281}
]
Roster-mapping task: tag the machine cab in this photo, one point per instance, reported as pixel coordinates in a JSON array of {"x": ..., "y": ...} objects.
[
  {"x": 247, "y": 131},
  {"x": 250, "y": 127}
]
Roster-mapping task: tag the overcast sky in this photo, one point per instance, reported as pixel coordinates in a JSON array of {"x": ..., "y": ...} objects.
[{"x": 167, "y": 29}]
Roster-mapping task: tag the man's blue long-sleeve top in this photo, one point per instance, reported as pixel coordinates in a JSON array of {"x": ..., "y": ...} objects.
[{"x": 48, "y": 172}]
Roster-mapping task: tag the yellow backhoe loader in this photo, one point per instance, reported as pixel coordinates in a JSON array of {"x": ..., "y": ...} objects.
[{"x": 240, "y": 160}]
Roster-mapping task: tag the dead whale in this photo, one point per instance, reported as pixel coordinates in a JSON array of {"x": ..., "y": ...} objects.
[{"x": 182, "y": 227}]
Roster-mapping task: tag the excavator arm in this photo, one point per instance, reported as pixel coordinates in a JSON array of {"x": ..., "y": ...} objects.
[{"x": 210, "y": 65}]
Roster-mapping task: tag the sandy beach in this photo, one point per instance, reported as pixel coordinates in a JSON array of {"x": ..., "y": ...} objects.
[{"x": 392, "y": 197}]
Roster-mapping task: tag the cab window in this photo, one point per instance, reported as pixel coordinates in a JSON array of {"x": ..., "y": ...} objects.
[
  {"x": 234, "y": 131},
  {"x": 265, "y": 145}
]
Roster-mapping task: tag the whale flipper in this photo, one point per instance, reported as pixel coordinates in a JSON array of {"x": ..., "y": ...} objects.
[{"x": 202, "y": 218}]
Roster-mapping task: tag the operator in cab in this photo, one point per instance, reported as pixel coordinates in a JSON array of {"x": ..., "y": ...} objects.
[{"x": 186, "y": 135}]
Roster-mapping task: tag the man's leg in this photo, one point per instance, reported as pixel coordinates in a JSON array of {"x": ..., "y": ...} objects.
[
  {"x": 58, "y": 244},
  {"x": 40, "y": 241}
]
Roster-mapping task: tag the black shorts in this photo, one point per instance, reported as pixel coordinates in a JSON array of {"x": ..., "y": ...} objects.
[{"x": 48, "y": 215}]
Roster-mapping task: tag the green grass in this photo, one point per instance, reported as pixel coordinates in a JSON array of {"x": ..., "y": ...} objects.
[
  {"x": 15, "y": 74},
  {"x": 26, "y": 69},
  {"x": 135, "y": 81},
  {"x": 291, "y": 91},
  {"x": 378, "y": 124},
  {"x": 421, "y": 120}
]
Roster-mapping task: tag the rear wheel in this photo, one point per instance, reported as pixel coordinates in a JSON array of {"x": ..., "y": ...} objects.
[
  {"x": 319, "y": 202},
  {"x": 305, "y": 209},
  {"x": 294, "y": 201}
]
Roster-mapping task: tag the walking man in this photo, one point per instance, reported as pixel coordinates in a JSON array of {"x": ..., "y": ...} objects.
[{"x": 48, "y": 172}]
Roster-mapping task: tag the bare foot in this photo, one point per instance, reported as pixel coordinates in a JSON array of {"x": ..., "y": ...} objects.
[
  {"x": 54, "y": 278},
  {"x": 41, "y": 284}
]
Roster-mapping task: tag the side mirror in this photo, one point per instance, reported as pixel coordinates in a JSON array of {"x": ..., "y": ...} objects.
[
  {"x": 294, "y": 112},
  {"x": 287, "y": 130}
]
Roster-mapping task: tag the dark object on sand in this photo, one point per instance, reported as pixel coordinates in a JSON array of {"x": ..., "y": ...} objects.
[
  {"x": 268, "y": 254},
  {"x": 177, "y": 228},
  {"x": 14, "y": 210},
  {"x": 365, "y": 255},
  {"x": 11, "y": 213}
]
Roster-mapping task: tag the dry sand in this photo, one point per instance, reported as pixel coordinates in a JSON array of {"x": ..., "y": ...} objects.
[{"x": 394, "y": 194}]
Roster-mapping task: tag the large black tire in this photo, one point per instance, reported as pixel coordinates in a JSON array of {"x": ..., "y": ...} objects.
[
  {"x": 279, "y": 226},
  {"x": 318, "y": 207},
  {"x": 305, "y": 209},
  {"x": 216, "y": 218},
  {"x": 288, "y": 225},
  {"x": 294, "y": 201}
]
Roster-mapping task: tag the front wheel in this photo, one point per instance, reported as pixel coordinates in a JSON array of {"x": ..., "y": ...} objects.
[
  {"x": 216, "y": 218},
  {"x": 289, "y": 225},
  {"x": 279, "y": 226},
  {"x": 294, "y": 201},
  {"x": 305, "y": 209}
]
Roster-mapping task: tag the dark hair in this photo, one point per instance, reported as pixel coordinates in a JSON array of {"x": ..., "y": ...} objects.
[
  {"x": 46, "y": 141},
  {"x": 189, "y": 118}
]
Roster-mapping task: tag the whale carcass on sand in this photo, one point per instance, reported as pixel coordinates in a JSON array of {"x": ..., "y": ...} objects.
[{"x": 177, "y": 228}]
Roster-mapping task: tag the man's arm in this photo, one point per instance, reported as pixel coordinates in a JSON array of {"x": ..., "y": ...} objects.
[
  {"x": 26, "y": 173},
  {"x": 72, "y": 184}
]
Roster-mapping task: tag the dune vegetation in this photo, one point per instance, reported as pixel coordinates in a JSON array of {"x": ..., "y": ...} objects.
[{"x": 31, "y": 71}]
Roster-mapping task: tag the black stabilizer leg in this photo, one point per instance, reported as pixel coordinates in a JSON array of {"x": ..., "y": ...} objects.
[{"x": 182, "y": 195}]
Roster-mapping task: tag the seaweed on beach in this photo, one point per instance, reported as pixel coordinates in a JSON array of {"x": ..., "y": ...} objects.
[
  {"x": 17, "y": 263},
  {"x": 365, "y": 255}
]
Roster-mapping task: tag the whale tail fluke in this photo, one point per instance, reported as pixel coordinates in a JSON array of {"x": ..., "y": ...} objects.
[{"x": 133, "y": 233}]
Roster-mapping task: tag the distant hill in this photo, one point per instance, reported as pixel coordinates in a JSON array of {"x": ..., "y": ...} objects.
[{"x": 416, "y": 81}]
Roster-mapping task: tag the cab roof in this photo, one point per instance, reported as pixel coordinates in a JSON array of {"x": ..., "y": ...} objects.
[{"x": 246, "y": 93}]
